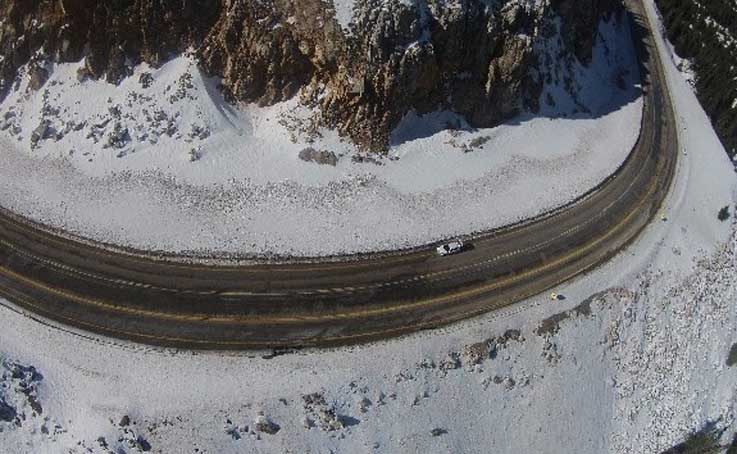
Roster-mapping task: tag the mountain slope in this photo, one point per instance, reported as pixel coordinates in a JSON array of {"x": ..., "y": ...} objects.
[
  {"x": 705, "y": 33},
  {"x": 477, "y": 58}
]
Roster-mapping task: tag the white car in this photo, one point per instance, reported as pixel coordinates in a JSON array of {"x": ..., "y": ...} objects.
[{"x": 450, "y": 248}]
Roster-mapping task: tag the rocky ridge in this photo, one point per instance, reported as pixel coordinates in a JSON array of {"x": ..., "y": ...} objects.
[{"x": 480, "y": 59}]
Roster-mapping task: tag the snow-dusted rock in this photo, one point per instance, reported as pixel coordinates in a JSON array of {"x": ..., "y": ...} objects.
[
  {"x": 265, "y": 425},
  {"x": 323, "y": 157},
  {"x": 474, "y": 354}
]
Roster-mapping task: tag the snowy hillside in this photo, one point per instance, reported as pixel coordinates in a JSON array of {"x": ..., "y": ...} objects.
[
  {"x": 118, "y": 163},
  {"x": 638, "y": 356},
  {"x": 705, "y": 35},
  {"x": 360, "y": 65}
]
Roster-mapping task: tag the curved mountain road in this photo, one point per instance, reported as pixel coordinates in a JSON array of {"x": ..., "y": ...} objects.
[{"x": 170, "y": 302}]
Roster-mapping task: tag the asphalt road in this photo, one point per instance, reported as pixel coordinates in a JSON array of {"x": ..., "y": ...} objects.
[{"x": 167, "y": 301}]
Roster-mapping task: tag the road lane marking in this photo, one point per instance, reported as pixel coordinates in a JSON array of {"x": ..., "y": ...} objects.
[
  {"x": 259, "y": 319},
  {"x": 364, "y": 335}
]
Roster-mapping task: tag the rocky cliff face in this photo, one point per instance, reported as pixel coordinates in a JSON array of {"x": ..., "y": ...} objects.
[
  {"x": 112, "y": 36},
  {"x": 475, "y": 57}
]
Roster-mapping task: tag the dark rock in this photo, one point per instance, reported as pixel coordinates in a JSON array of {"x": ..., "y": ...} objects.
[
  {"x": 328, "y": 420},
  {"x": 119, "y": 137},
  {"x": 115, "y": 112},
  {"x": 195, "y": 154},
  {"x": 37, "y": 77},
  {"x": 308, "y": 423},
  {"x": 513, "y": 334},
  {"x": 451, "y": 362},
  {"x": 322, "y": 157},
  {"x": 125, "y": 421},
  {"x": 35, "y": 404},
  {"x": 479, "y": 142},
  {"x": 258, "y": 60},
  {"x": 313, "y": 400},
  {"x": 364, "y": 405},
  {"x": 143, "y": 444},
  {"x": 146, "y": 80},
  {"x": 509, "y": 383},
  {"x": 474, "y": 354},
  {"x": 732, "y": 356},
  {"x": 348, "y": 421},
  {"x": 265, "y": 425},
  {"x": 7, "y": 413},
  {"x": 234, "y": 432},
  {"x": 436, "y": 432},
  {"x": 366, "y": 159},
  {"x": 42, "y": 132},
  {"x": 199, "y": 132}
]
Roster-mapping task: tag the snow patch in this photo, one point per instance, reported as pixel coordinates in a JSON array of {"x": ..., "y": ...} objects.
[
  {"x": 118, "y": 163},
  {"x": 636, "y": 360}
]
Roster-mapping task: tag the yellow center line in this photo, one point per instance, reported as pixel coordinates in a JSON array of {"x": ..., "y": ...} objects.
[
  {"x": 260, "y": 319},
  {"x": 470, "y": 293},
  {"x": 63, "y": 241}
]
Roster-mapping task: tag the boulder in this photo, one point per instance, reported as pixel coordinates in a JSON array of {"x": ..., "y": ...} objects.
[
  {"x": 474, "y": 354},
  {"x": 266, "y": 425},
  {"x": 42, "y": 132},
  {"x": 322, "y": 157},
  {"x": 7, "y": 413},
  {"x": 38, "y": 76}
]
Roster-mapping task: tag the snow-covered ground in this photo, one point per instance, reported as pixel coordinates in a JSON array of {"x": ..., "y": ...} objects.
[
  {"x": 632, "y": 361},
  {"x": 162, "y": 162}
]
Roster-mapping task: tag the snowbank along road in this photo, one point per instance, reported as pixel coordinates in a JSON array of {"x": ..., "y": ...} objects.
[{"x": 165, "y": 301}]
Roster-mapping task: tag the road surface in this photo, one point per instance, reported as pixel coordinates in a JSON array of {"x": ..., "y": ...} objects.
[{"x": 167, "y": 301}]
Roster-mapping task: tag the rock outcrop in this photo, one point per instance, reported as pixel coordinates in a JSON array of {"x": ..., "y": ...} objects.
[
  {"x": 110, "y": 35},
  {"x": 477, "y": 58}
]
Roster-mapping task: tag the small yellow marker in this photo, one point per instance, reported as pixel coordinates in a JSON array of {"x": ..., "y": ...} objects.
[{"x": 554, "y": 296}]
